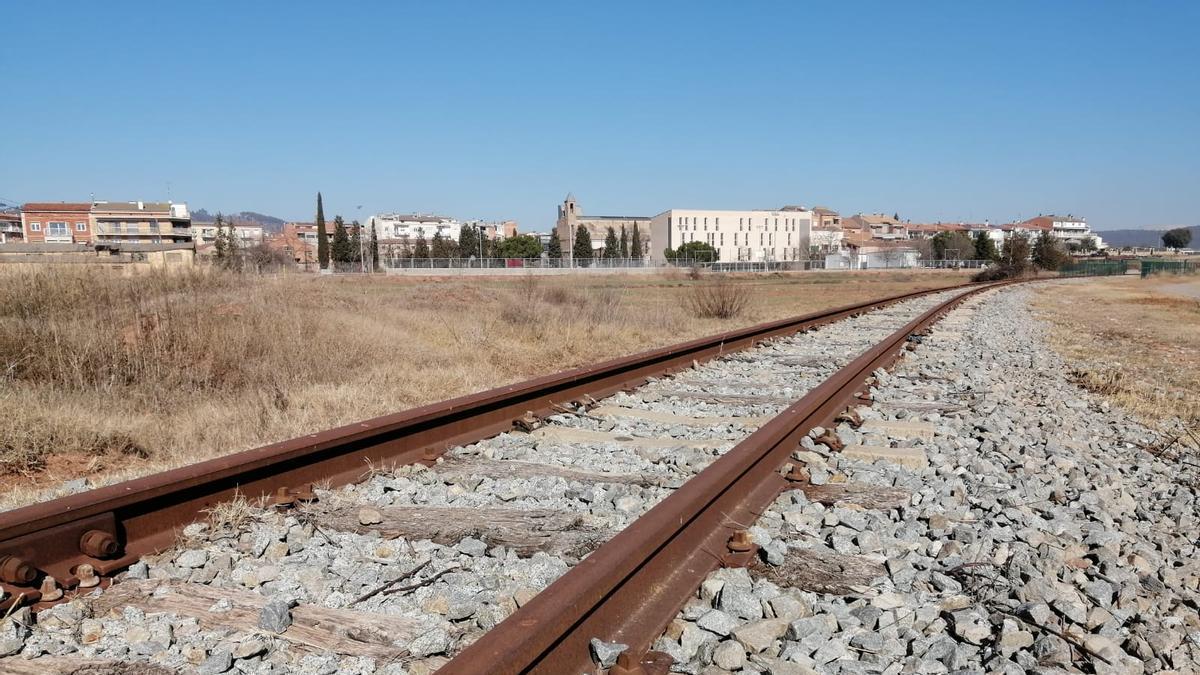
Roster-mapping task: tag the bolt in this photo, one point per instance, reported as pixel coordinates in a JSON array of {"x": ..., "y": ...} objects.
[
  {"x": 50, "y": 590},
  {"x": 98, "y": 544},
  {"x": 740, "y": 542},
  {"x": 87, "y": 576},
  {"x": 430, "y": 454},
  {"x": 627, "y": 665},
  {"x": 283, "y": 498},
  {"x": 13, "y": 570},
  {"x": 305, "y": 494}
]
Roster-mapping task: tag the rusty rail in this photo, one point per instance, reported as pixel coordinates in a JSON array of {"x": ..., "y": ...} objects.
[
  {"x": 629, "y": 589},
  {"x": 111, "y": 527}
]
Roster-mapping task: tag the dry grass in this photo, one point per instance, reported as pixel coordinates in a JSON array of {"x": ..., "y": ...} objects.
[
  {"x": 1134, "y": 341},
  {"x": 111, "y": 377}
]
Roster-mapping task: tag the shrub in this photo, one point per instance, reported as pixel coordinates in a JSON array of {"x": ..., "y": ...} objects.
[{"x": 719, "y": 300}]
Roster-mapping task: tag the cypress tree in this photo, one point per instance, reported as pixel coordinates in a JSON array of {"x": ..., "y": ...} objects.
[
  {"x": 340, "y": 249},
  {"x": 554, "y": 247},
  {"x": 232, "y": 258},
  {"x": 322, "y": 242},
  {"x": 220, "y": 247},
  {"x": 421, "y": 249},
  {"x": 374, "y": 249},
  {"x": 985, "y": 248},
  {"x": 441, "y": 247},
  {"x": 635, "y": 245},
  {"x": 624, "y": 243},
  {"x": 611, "y": 247},
  {"x": 468, "y": 242},
  {"x": 356, "y": 242},
  {"x": 582, "y": 250}
]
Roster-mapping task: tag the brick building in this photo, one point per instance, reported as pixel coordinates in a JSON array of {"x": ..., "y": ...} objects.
[{"x": 57, "y": 222}]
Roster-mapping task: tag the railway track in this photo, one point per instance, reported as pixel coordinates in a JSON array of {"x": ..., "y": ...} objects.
[{"x": 620, "y": 487}]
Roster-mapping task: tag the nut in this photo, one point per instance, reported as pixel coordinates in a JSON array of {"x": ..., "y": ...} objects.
[
  {"x": 98, "y": 544},
  {"x": 14, "y": 570}
]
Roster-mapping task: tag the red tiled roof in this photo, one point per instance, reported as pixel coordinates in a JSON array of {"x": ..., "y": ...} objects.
[{"x": 72, "y": 207}]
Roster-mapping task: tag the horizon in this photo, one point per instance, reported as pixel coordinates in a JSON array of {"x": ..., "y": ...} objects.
[{"x": 940, "y": 112}]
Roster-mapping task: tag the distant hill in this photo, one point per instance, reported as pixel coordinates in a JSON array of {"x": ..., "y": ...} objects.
[
  {"x": 268, "y": 223},
  {"x": 1119, "y": 238}
]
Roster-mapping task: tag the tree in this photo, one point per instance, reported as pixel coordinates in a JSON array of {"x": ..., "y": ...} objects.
[
  {"x": 220, "y": 246},
  {"x": 520, "y": 246},
  {"x": 554, "y": 247},
  {"x": 374, "y": 252},
  {"x": 985, "y": 247},
  {"x": 441, "y": 247},
  {"x": 635, "y": 245},
  {"x": 624, "y": 243},
  {"x": 952, "y": 246},
  {"x": 232, "y": 256},
  {"x": 356, "y": 250},
  {"x": 1048, "y": 253},
  {"x": 692, "y": 251},
  {"x": 1016, "y": 253},
  {"x": 469, "y": 241},
  {"x": 611, "y": 247},
  {"x": 1087, "y": 244},
  {"x": 322, "y": 242},
  {"x": 421, "y": 248},
  {"x": 1177, "y": 238},
  {"x": 582, "y": 250},
  {"x": 340, "y": 250}
]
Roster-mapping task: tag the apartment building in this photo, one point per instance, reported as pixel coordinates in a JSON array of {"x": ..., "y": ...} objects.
[
  {"x": 880, "y": 226},
  {"x": 247, "y": 235},
  {"x": 753, "y": 236},
  {"x": 410, "y": 226},
  {"x": 11, "y": 231},
  {"x": 140, "y": 223},
  {"x": 57, "y": 222},
  {"x": 1071, "y": 230}
]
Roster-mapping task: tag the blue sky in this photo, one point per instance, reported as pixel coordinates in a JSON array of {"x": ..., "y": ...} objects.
[{"x": 935, "y": 110}]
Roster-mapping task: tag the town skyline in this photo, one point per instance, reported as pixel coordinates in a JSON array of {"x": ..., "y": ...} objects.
[{"x": 938, "y": 112}]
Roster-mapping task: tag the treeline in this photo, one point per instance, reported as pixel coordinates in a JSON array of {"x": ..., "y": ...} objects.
[
  {"x": 1045, "y": 250},
  {"x": 617, "y": 246},
  {"x": 346, "y": 247},
  {"x": 230, "y": 253}
]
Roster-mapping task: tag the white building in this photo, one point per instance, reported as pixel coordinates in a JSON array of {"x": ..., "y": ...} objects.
[
  {"x": 1071, "y": 230},
  {"x": 755, "y": 235},
  {"x": 410, "y": 226},
  {"x": 247, "y": 235}
]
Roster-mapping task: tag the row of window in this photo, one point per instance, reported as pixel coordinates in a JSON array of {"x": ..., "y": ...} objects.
[
  {"x": 57, "y": 228},
  {"x": 716, "y": 239},
  {"x": 789, "y": 224}
]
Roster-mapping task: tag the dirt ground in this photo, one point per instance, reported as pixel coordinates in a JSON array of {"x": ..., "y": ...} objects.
[
  {"x": 111, "y": 378},
  {"x": 1136, "y": 341}
]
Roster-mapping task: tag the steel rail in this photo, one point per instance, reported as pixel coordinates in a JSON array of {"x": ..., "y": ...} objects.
[
  {"x": 628, "y": 590},
  {"x": 109, "y": 528}
]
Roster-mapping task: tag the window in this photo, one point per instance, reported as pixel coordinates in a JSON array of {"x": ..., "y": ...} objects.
[
  {"x": 81, "y": 227},
  {"x": 722, "y": 239},
  {"x": 35, "y": 227},
  {"x": 57, "y": 229}
]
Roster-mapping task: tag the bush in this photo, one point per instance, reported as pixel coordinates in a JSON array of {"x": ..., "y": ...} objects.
[{"x": 720, "y": 300}]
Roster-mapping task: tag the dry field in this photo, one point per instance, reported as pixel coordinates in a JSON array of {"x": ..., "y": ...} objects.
[
  {"x": 110, "y": 378},
  {"x": 1136, "y": 341}
]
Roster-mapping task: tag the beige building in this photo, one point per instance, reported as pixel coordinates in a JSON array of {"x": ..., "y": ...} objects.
[
  {"x": 140, "y": 223},
  {"x": 751, "y": 236},
  {"x": 570, "y": 217}
]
